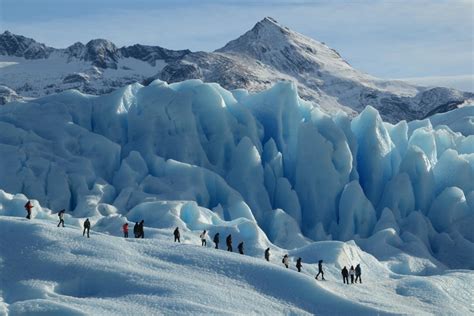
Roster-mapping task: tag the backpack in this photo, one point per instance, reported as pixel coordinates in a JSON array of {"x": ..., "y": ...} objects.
[{"x": 283, "y": 260}]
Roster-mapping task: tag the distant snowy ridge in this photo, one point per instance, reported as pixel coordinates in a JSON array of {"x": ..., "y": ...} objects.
[
  {"x": 263, "y": 56},
  {"x": 266, "y": 165}
]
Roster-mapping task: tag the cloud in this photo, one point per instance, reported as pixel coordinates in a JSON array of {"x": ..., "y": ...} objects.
[{"x": 462, "y": 82}]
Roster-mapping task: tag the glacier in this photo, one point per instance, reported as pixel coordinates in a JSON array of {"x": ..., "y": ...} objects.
[{"x": 268, "y": 167}]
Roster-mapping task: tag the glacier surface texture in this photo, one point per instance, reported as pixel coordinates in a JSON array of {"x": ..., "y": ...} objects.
[{"x": 266, "y": 167}]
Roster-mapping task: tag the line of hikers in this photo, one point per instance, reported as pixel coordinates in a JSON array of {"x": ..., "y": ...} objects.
[
  {"x": 240, "y": 247},
  {"x": 138, "y": 231},
  {"x": 352, "y": 272}
]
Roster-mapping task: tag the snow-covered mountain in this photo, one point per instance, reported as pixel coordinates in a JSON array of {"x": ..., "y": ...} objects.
[
  {"x": 32, "y": 70},
  {"x": 263, "y": 56}
]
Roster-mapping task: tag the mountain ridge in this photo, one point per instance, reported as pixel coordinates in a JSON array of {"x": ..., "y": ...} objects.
[{"x": 264, "y": 55}]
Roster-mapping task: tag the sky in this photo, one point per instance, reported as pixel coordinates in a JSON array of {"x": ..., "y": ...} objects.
[{"x": 423, "y": 41}]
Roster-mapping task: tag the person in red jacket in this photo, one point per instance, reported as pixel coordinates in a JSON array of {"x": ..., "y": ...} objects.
[
  {"x": 28, "y": 207},
  {"x": 125, "y": 230}
]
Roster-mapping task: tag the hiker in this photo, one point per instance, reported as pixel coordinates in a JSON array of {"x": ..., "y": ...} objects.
[
  {"x": 352, "y": 274},
  {"x": 241, "y": 247},
  {"x": 358, "y": 273},
  {"x": 203, "y": 238},
  {"x": 298, "y": 264},
  {"x": 61, "y": 217},
  {"x": 141, "y": 231},
  {"x": 87, "y": 227},
  {"x": 28, "y": 207},
  {"x": 320, "y": 270},
  {"x": 228, "y": 241},
  {"x": 216, "y": 240},
  {"x": 136, "y": 230},
  {"x": 267, "y": 254},
  {"x": 125, "y": 230},
  {"x": 285, "y": 261},
  {"x": 345, "y": 275},
  {"x": 177, "y": 235}
]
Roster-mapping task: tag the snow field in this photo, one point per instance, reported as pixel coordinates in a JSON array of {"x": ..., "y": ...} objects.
[{"x": 53, "y": 270}]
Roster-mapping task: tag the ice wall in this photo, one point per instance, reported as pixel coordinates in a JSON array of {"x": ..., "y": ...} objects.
[{"x": 269, "y": 158}]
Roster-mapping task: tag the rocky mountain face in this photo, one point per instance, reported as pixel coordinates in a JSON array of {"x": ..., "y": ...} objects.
[
  {"x": 264, "y": 55},
  {"x": 20, "y": 46}
]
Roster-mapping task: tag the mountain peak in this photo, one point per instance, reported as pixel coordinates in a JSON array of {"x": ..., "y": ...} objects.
[
  {"x": 21, "y": 46},
  {"x": 286, "y": 50},
  {"x": 268, "y": 20},
  {"x": 103, "y": 53},
  {"x": 265, "y": 34}
]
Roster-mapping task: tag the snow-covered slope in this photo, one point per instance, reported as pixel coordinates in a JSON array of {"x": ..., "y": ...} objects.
[
  {"x": 56, "y": 271},
  {"x": 268, "y": 165},
  {"x": 263, "y": 56},
  {"x": 33, "y": 69}
]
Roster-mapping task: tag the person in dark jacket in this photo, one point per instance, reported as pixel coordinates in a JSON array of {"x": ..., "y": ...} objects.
[
  {"x": 352, "y": 274},
  {"x": 241, "y": 247},
  {"x": 285, "y": 261},
  {"x": 298, "y": 264},
  {"x": 177, "y": 235},
  {"x": 216, "y": 240},
  {"x": 125, "y": 230},
  {"x": 87, "y": 227},
  {"x": 358, "y": 274},
  {"x": 141, "y": 229},
  {"x": 28, "y": 207},
  {"x": 345, "y": 275},
  {"x": 267, "y": 254},
  {"x": 136, "y": 230},
  {"x": 61, "y": 217},
  {"x": 228, "y": 242},
  {"x": 320, "y": 270}
]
